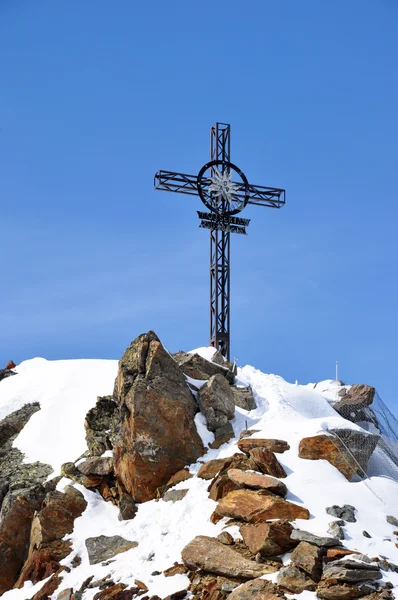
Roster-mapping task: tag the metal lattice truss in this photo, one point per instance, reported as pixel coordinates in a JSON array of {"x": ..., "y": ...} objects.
[{"x": 223, "y": 205}]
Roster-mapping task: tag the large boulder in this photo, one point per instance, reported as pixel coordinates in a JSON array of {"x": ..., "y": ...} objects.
[
  {"x": 104, "y": 547},
  {"x": 157, "y": 436},
  {"x": 346, "y": 449},
  {"x": 355, "y": 404},
  {"x": 210, "y": 555},
  {"x": 50, "y": 524},
  {"x": 308, "y": 557},
  {"x": 243, "y": 397},
  {"x": 255, "y": 507},
  {"x": 216, "y": 402}
]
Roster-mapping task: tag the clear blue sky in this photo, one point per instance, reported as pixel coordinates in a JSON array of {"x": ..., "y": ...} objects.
[{"x": 95, "y": 97}]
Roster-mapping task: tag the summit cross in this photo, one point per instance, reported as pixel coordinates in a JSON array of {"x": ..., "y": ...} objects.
[{"x": 225, "y": 198}]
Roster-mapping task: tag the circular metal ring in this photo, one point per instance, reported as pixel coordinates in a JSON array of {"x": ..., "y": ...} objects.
[{"x": 218, "y": 192}]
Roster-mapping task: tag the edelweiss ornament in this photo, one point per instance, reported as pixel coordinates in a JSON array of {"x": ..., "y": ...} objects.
[{"x": 222, "y": 187}]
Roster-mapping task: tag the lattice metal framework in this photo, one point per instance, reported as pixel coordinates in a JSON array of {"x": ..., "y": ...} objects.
[{"x": 225, "y": 198}]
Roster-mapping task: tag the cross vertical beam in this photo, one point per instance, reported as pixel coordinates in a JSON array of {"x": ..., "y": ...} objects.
[{"x": 220, "y": 149}]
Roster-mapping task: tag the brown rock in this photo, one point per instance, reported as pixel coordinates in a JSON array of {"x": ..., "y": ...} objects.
[
  {"x": 48, "y": 588},
  {"x": 256, "y": 481},
  {"x": 270, "y": 539},
  {"x": 181, "y": 475},
  {"x": 225, "y": 538},
  {"x": 97, "y": 465},
  {"x": 178, "y": 569},
  {"x": 158, "y": 436},
  {"x": 117, "y": 591},
  {"x": 267, "y": 463},
  {"x": 253, "y": 507},
  {"x": 222, "y": 436},
  {"x": 15, "y": 525},
  {"x": 208, "y": 554},
  {"x": 309, "y": 558},
  {"x": 197, "y": 367},
  {"x": 355, "y": 404},
  {"x": 243, "y": 397},
  {"x": 221, "y": 486},
  {"x": 257, "y": 589},
  {"x": 10, "y": 365},
  {"x": 211, "y": 468},
  {"x": 49, "y": 525},
  {"x": 295, "y": 581},
  {"x": 335, "y": 553},
  {"x": 331, "y": 590},
  {"x": 216, "y": 402},
  {"x": 247, "y": 444}
]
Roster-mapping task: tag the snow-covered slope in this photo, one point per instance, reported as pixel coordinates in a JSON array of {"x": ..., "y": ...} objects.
[{"x": 66, "y": 390}]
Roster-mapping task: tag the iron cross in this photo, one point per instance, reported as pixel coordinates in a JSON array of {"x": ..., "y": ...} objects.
[{"x": 225, "y": 197}]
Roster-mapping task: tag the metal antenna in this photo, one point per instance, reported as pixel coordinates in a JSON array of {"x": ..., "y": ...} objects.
[{"x": 224, "y": 197}]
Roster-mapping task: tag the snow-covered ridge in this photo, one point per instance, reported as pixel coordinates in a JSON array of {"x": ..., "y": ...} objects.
[{"x": 66, "y": 390}]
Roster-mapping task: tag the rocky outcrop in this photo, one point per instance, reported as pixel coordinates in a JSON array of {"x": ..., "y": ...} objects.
[
  {"x": 216, "y": 402},
  {"x": 347, "y": 450},
  {"x": 355, "y": 404},
  {"x": 195, "y": 366},
  {"x": 4, "y": 373},
  {"x": 104, "y": 547},
  {"x": 243, "y": 397},
  {"x": 158, "y": 436},
  {"x": 248, "y": 444},
  {"x": 50, "y": 524},
  {"x": 254, "y": 507},
  {"x": 212, "y": 556}
]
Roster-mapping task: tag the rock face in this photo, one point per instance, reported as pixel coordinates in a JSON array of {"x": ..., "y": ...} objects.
[
  {"x": 210, "y": 555},
  {"x": 269, "y": 539},
  {"x": 50, "y": 524},
  {"x": 216, "y": 402},
  {"x": 334, "y": 450},
  {"x": 254, "y": 507},
  {"x": 243, "y": 397},
  {"x": 158, "y": 435},
  {"x": 355, "y": 403}
]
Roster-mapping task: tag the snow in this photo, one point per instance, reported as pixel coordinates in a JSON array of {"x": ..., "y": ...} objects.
[{"x": 66, "y": 390}]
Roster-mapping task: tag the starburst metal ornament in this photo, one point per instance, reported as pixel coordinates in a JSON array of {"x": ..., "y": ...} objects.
[{"x": 222, "y": 186}]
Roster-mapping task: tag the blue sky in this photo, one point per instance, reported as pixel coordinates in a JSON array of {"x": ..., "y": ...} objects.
[{"x": 95, "y": 97}]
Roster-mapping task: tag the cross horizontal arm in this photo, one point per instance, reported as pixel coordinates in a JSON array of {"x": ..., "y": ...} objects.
[
  {"x": 176, "y": 182},
  {"x": 259, "y": 195}
]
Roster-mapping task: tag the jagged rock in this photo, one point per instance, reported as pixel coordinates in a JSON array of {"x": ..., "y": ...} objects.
[
  {"x": 197, "y": 367},
  {"x": 392, "y": 520},
  {"x": 49, "y": 587},
  {"x": 306, "y": 536},
  {"x": 4, "y": 373},
  {"x": 174, "y": 495},
  {"x": 181, "y": 475},
  {"x": 335, "y": 530},
  {"x": 127, "y": 508},
  {"x": 269, "y": 539},
  {"x": 216, "y": 402},
  {"x": 96, "y": 466},
  {"x": 243, "y": 397},
  {"x": 222, "y": 436},
  {"x": 221, "y": 486},
  {"x": 256, "y": 481},
  {"x": 247, "y": 433},
  {"x": 332, "y": 571},
  {"x": 366, "y": 534},
  {"x": 248, "y": 444},
  {"x": 295, "y": 581},
  {"x": 157, "y": 436},
  {"x": 14, "y": 423},
  {"x": 334, "y": 449},
  {"x": 335, "y": 553},
  {"x": 104, "y": 547},
  {"x": 177, "y": 569},
  {"x": 267, "y": 462},
  {"x": 257, "y": 589},
  {"x": 253, "y": 507},
  {"x": 10, "y": 365},
  {"x": 50, "y": 524},
  {"x": 211, "y": 468},
  {"x": 308, "y": 558},
  {"x": 345, "y": 512},
  {"x": 330, "y": 590},
  {"x": 101, "y": 426},
  {"x": 355, "y": 403},
  {"x": 15, "y": 524},
  {"x": 118, "y": 591},
  {"x": 210, "y": 555}
]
